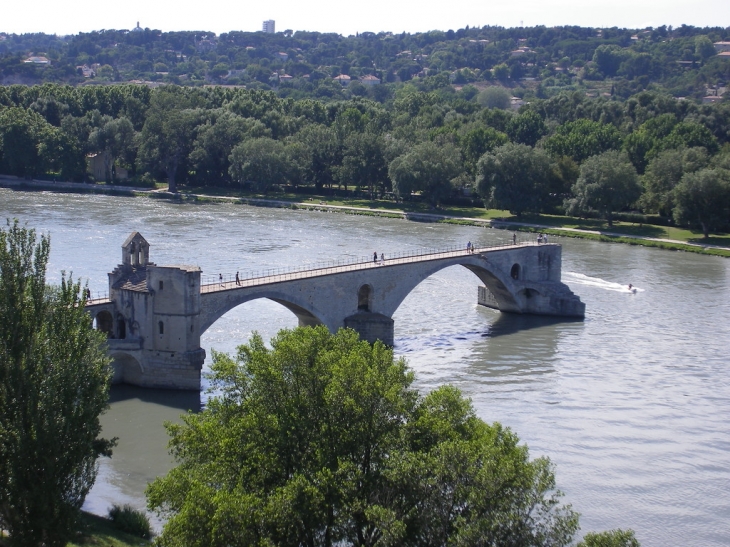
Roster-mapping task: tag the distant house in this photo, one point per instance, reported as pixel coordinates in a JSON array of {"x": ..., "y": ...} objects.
[
  {"x": 269, "y": 26},
  {"x": 38, "y": 60},
  {"x": 516, "y": 102},
  {"x": 343, "y": 79},
  {"x": 370, "y": 80},
  {"x": 96, "y": 165},
  {"x": 285, "y": 78},
  {"x": 711, "y": 99},
  {"x": 86, "y": 71},
  {"x": 724, "y": 54},
  {"x": 282, "y": 56},
  {"x": 721, "y": 47}
]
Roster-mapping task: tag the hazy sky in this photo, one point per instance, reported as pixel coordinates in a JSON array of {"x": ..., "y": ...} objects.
[{"x": 53, "y": 16}]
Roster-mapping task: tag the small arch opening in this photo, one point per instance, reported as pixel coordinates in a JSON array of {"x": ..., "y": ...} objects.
[
  {"x": 363, "y": 298},
  {"x": 161, "y": 327},
  {"x": 515, "y": 271},
  {"x": 161, "y": 285}
]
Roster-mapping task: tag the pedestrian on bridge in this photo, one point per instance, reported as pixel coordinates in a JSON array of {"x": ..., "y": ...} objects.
[
  {"x": 382, "y": 258},
  {"x": 238, "y": 281},
  {"x": 220, "y": 279},
  {"x": 375, "y": 257},
  {"x": 468, "y": 247},
  {"x": 514, "y": 238}
]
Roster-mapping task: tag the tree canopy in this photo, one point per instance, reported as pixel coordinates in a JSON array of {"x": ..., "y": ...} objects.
[
  {"x": 321, "y": 440},
  {"x": 607, "y": 183}
]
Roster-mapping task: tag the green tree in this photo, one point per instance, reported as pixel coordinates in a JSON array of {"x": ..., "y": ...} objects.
[
  {"x": 514, "y": 177},
  {"x": 427, "y": 168},
  {"x": 264, "y": 162},
  {"x": 28, "y": 142},
  {"x": 703, "y": 199},
  {"x": 54, "y": 381},
  {"x": 495, "y": 96},
  {"x": 607, "y": 183},
  {"x": 611, "y": 538},
  {"x": 582, "y": 139},
  {"x": 168, "y": 134},
  {"x": 664, "y": 173},
  {"x": 215, "y": 141},
  {"x": 363, "y": 162},
  {"x": 322, "y": 441},
  {"x": 526, "y": 128},
  {"x": 477, "y": 141}
]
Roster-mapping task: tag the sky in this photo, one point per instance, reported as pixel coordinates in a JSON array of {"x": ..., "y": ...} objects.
[{"x": 55, "y": 17}]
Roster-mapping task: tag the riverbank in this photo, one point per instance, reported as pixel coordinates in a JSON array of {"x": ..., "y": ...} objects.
[{"x": 669, "y": 238}]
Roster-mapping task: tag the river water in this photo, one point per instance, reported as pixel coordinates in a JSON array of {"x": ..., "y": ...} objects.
[{"x": 632, "y": 404}]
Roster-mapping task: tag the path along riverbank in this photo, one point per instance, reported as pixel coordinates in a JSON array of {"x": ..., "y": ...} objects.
[{"x": 17, "y": 183}]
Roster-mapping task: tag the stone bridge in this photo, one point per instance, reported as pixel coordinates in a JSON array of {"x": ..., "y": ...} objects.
[{"x": 155, "y": 315}]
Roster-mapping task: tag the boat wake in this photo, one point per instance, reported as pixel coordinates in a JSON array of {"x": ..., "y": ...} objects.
[{"x": 582, "y": 279}]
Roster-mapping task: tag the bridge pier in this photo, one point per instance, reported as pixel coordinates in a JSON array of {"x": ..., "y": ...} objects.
[{"x": 372, "y": 326}]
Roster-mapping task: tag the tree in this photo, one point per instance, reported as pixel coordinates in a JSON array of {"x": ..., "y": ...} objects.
[
  {"x": 168, "y": 134},
  {"x": 611, "y": 538},
  {"x": 363, "y": 162},
  {"x": 514, "y": 177},
  {"x": 664, "y": 173},
  {"x": 27, "y": 142},
  {"x": 322, "y": 441},
  {"x": 607, "y": 182},
  {"x": 703, "y": 199},
  {"x": 427, "y": 168},
  {"x": 54, "y": 381},
  {"x": 495, "y": 96},
  {"x": 526, "y": 128},
  {"x": 582, "y": 139},
  {"x": 263, "y": 161}
]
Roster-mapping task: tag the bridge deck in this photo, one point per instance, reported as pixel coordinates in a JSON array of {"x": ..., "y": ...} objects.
[{"x": 277, "y": 276}]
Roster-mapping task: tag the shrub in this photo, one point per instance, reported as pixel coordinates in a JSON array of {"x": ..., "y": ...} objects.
[{"x": 130, "y": 520}]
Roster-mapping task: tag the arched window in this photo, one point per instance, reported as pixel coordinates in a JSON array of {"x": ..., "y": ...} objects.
[
  {"x": 161, "y": 325},
  {"x": 161, "y": 284},
  {"x": 515, "y": 271},
  {"x": 363, "y": 298}
]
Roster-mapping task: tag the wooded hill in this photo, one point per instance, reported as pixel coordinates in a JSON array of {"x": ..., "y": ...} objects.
[{"x": 532, "y": 61}]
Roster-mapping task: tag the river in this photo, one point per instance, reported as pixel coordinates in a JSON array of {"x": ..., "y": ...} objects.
[{"x": 632, "y": 404}]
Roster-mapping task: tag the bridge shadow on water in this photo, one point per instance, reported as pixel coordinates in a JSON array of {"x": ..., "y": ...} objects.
[
  {"x": 182, "y": 400},
  {"x": 511, "y": 323}
]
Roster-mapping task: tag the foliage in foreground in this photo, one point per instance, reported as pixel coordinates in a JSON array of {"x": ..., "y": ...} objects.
[
  {"x": 54, "y": 379},
  {"x": 611, "y": 538},
  {"x": 128, "y": 519},
  {"x": 321, "y": 440}
]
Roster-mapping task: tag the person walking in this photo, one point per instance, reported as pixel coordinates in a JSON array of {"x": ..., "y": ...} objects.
[
  {"x": 375, "y": 257},
  {"x": 238, "y": 281},
  {"x": 220, "y": 279},
  {"x": 468, "y": 247},
  {"x": 514, "y": 238},
  {"x": 382, "y": 258}
]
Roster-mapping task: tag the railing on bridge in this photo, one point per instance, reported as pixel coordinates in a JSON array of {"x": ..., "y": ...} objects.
[{"x": 212, "y": 283}]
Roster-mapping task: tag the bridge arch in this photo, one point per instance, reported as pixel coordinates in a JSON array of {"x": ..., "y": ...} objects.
[
  {"x": 126, "y": 369},
  {"x": 218, "y": 304},
  {"x": 500, "y": 285}
]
